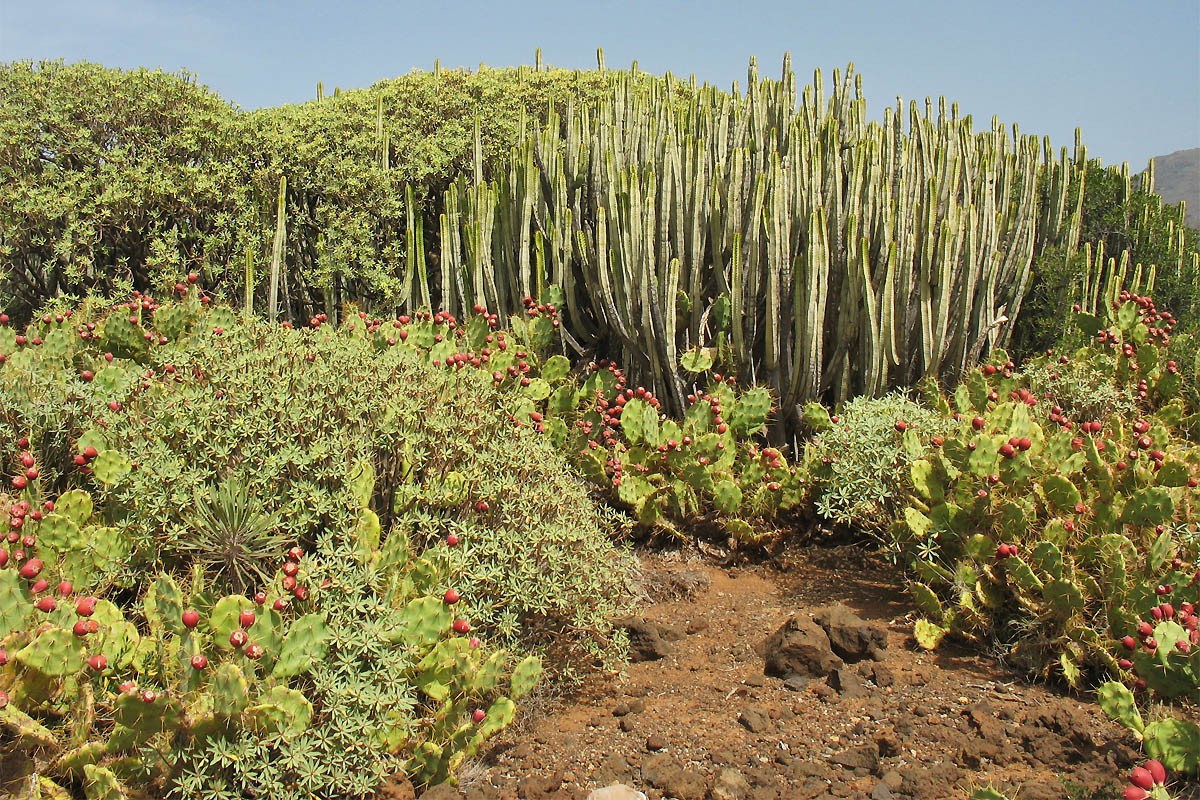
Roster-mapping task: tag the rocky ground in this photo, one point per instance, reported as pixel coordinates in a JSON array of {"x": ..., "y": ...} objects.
[{"x": 795, "y": 682}]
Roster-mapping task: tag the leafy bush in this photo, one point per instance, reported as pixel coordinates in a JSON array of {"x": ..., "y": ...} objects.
[
  {"x": 859, "y": 459},
  {"x": 1052, "y": 535},
  {"x": 315, "y": 424},
  {"x": 1082, "y": 388},
  {"x": 131, "y": 176}
]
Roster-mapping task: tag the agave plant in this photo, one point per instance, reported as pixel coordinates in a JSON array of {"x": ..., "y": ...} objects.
[{"x": 231, "y": 535}]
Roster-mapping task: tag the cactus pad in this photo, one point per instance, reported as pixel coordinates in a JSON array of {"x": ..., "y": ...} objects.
[
  {"x": 306, "y": 641},
  {"x": 111, "y": 466},
  {"x": 56, "y": 653}
]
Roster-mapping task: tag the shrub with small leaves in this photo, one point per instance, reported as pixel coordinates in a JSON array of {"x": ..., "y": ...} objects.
[{"x": 859, "y": 459}]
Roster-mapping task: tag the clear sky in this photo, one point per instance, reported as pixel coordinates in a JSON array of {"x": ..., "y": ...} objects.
[{"x": 1126, "y": 72}]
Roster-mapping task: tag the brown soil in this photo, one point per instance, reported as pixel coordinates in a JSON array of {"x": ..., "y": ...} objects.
[{"x": 705, "y": 723}]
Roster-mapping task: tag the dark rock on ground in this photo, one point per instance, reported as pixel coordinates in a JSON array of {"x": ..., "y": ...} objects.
[
  {"x": 800, "y": 648},
  {"x": 662, "y": 772},
  {"x": 755, "y": 719},
  {"x": 649, "y": 640},
  {"x": 848, "y": 683},
  {"x": 852, "y": 638}
]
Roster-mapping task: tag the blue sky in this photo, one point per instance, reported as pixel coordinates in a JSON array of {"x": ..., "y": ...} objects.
[{"x": 1128, "y": 73}]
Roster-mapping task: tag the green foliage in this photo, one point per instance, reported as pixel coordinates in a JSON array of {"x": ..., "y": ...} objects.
[
  {"x": 1048, "y": 532},
  {"x": 268, "y": 424},
  {"x": 861, "y": 466},
  {"x": 131, "y": 177},
  {"x": 232, "y": 537},
  {"x": 1118, "y": 217}
]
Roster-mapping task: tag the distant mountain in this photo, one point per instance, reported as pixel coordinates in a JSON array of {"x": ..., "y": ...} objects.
[{"x": 1177, "y": 177}]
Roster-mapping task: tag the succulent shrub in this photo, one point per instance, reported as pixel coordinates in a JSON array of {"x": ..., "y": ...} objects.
[
  {"x": 315, "y": 424},
  {"x": 347, "y": 666},
  {"x": 1083, "y": 388},
  {"x": 712, "y": 465},
  {"x": 1172, "y": 742},
  {"x": 1052, "y": 535},
  {"x": 860, "y": 457}
]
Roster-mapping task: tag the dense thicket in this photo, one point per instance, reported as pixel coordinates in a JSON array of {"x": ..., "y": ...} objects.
[
  {"x": 119, "y": 179},
  {"x": 674, "y": 217}
]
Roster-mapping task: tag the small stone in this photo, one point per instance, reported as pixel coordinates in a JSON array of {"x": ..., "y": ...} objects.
[
  {"x": 443, "y": 791},
  {"x": 755, "y": 719},
  {"x": 882, "y": 792},
  {"x": 627, "y": 724},
  {"x": 637, "y": 706},
  {"x": 696, "y": 626},
  {"x": 730, "y": 785},
  {"x": 796, "y": 683},
  {"x": 621, "y": 710},
  {"x": 654, "y": 743}
]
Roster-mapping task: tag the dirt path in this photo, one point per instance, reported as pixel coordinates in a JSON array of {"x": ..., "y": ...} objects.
[{"x": 703, "y": 721}]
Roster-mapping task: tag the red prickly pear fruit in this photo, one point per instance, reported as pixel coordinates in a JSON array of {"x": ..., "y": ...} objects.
[
  {"x": 1140, "y": 776},
  {"x": 3, "y": 556},
  {"x": 1135, "y": 793},
  {"x": 246, "y": 619},
  {"x": 80, "y": 628},
  {"x": 127, "y": 687},
  {"x": 199, "y": 661},
  {"x": 30, "y": 569},
  {"x": 451, "y": 539},
  {"x": 451, "y": 597},
  {"x": 1125, "y": 663},
  {"x": 296, "y": 553},
  {"x": 481, "y": 506},
  {"x": 1168, "y": 611},
  {"x": 65, "y": 588},
  {"x": 3, "y": 657},
  {"x": 474, "y": 642},
  {"x": 255, "y": 651},
  {"x": 288, "y": 583},
  {"x": 1145, "y": 628},
  {"x": 98, "y": 663},
  {"x": 978, "y": 423},
  {"x": 191, "y": 618},
  {"x": 46, "y": 604},
  {"x": 1157, "y": 771},
  {"x": 1150, "y": 643},
  {"x": 478, "y": 715},
  {"x": 280, "y": 604},
  {"x": 291, "y": 568},
  {"x": 1129, "y": 643},
  {"x": 260, "y": 598},
  {"x": 86, "y": 606},
  {"x": 40, "y": 586},
  {"x": 461, "y": 626},
  {"x": 301, "y": 593},
  {"x": 149, "y": 696},
  {"x": 238, "y": 638}
]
